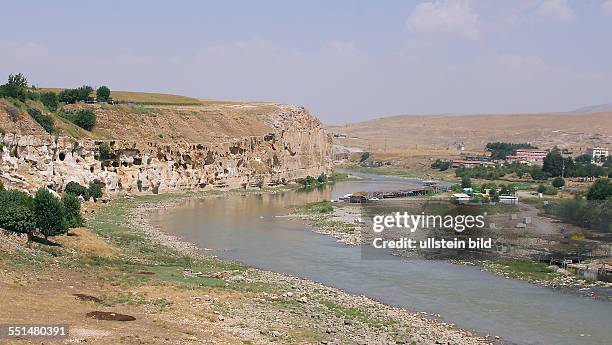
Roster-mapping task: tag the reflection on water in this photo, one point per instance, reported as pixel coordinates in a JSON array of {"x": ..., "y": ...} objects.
[{"x": 246, "y": 228}]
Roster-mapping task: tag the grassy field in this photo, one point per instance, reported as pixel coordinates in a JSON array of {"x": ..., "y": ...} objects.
[
  {"x": 425, "y": 173},
  {"x": 145, "y": 97}
]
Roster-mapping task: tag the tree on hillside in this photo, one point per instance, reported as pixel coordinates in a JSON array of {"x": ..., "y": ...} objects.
[
  {"x": 95, "y": 191},
  {"x": 600, "y": 190},
  {"x": 50, "y": 100},
  {"x": 103, "y": 94},
  {"x": 18, "y": 218},
  {"x": 68, "y": 96},
  {"x": 18, "y": 80},
  {"x": 466, "y": 182},
  {"x": 502, "y": 150},
  {"x": 555, "y": 165},
  {"x": 72, "y": 214},
  {"x": 15, "y": 87},
  {"x": 45, "y": 121},
  {"x": 76, "y": 189},
  {"x": 85, "y": 118},
  {"x": 583, "y": 159},
  {"x": 49, "y": 213},
  {"x": 83, "y": 92}
]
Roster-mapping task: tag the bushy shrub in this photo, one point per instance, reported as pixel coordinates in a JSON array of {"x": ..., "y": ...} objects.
[
  {"x": 441, "y": 165},
  {"x": 84, "y": 118},
  {"x": 95, "y": 191},
  {"x": 45, "y": 121},
  {"x": 68, "y": 96},
  {"x": 548, "y": 190},
  {"x": 105, "y": 151},
  {"x": 74, "y": 95},
  {"x": 538, "y": 174},
  {"x": 72, "y": 207},
  {"x": 17, "y": 218},
  {"x": 49, "y": 213},
  {"x": 77, "y": 189},
  {"x": 558, "y": 182},
  {"x": 103, "y": 94},
  {"x": 50, "y": 100},
  {"x": 600, "y": 190}
]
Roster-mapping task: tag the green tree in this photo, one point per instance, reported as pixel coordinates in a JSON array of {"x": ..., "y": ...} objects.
[
  {"x": 466, "y": 182},
  {"x": 558, "y": 182},
  {"x": 50, "y": 100},
  {"x": 555, "y": 165},
  {"x": 95, "y": 191},
  {"x": 541, "y": 188},
  {"x": 85, "y": 118},
  {"x": 15, "y": 87},
  {"x": 103, "y": 94},
  {"x": 45, "y": 121},
  {"x": 583, "y": 159},
  {"x": 76, "y": 189},
  {"x": 104, "y": 151},
  {"x": 18, "y": 80},
  {"x": 600, "y": 190},
  {"x": 68, "y": 96},
  {"x": 83, "y": 92},
  {"x": 18, "y": 218},
  {"x": 538, "y": 174},
  {"x": 49, "y": 213},
  {"x": 72, "y": 214}
]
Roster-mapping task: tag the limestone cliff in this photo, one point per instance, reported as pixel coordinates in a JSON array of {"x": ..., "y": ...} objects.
[{"x": 157, "y": 149}]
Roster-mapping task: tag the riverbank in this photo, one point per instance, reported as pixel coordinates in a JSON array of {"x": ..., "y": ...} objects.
[
  {"x": 344, "y": 222},
  {"x": 122, "y": 264}
]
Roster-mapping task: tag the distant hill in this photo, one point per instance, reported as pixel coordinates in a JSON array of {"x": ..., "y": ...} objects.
[
  {"x": 601, "y": 108},
  {"x": 447, "y": 132}
]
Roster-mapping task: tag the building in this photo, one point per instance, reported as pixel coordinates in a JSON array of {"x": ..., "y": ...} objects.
[
  {"x": 508, "y": 199},
  {"x": 461, "y": 198},
  {"x": 598, "y": 153},
  {"x": 534, "y": 156},
  {"x": 463, "y": 163}
]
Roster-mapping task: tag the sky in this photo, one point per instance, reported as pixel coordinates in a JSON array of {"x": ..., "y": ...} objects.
[{"x": 346, "y": 61}]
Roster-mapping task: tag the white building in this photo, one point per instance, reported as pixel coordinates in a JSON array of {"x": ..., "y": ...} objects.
[{"x": 598, "y": 153}]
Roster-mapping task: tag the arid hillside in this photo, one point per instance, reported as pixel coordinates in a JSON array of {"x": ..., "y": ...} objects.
[
  {"x": 448, "y": 132},
  {"x": 138, "y": 148},
  {"x": 209, "y": 122}
]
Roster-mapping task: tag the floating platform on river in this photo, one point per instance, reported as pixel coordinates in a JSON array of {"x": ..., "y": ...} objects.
[{"x": 363, "y": 197}]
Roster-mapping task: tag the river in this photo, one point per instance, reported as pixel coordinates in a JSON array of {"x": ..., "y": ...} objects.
[{"x": 246, "y": 228}]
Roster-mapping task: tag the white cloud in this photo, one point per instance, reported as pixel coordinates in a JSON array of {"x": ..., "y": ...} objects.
[
  {"x": 559, "y": 10},
  {"x": 445, "y": 17},
  {"x": 607, "y": 7}
]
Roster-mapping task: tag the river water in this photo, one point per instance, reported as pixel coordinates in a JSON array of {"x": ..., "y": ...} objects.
[{"x": 246, "y": 228}]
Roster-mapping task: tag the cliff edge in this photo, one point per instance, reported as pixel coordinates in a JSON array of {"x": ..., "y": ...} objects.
[{"x": 156, "y": 149}]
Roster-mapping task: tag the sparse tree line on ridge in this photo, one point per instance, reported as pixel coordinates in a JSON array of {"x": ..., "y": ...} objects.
[{"x": 42, "y": 104}]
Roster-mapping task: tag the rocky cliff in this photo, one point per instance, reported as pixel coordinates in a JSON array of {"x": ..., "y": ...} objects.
[{"x": 157, "y": 149}]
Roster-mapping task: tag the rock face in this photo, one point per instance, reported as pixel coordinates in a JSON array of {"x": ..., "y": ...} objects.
[{"x": 295, "y": 146}]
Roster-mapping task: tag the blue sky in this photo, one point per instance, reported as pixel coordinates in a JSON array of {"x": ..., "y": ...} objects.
[{"x": 344, "y": 60}]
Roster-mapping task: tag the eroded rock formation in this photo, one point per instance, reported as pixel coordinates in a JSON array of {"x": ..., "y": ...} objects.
[{"x": 296, "y": 146}]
